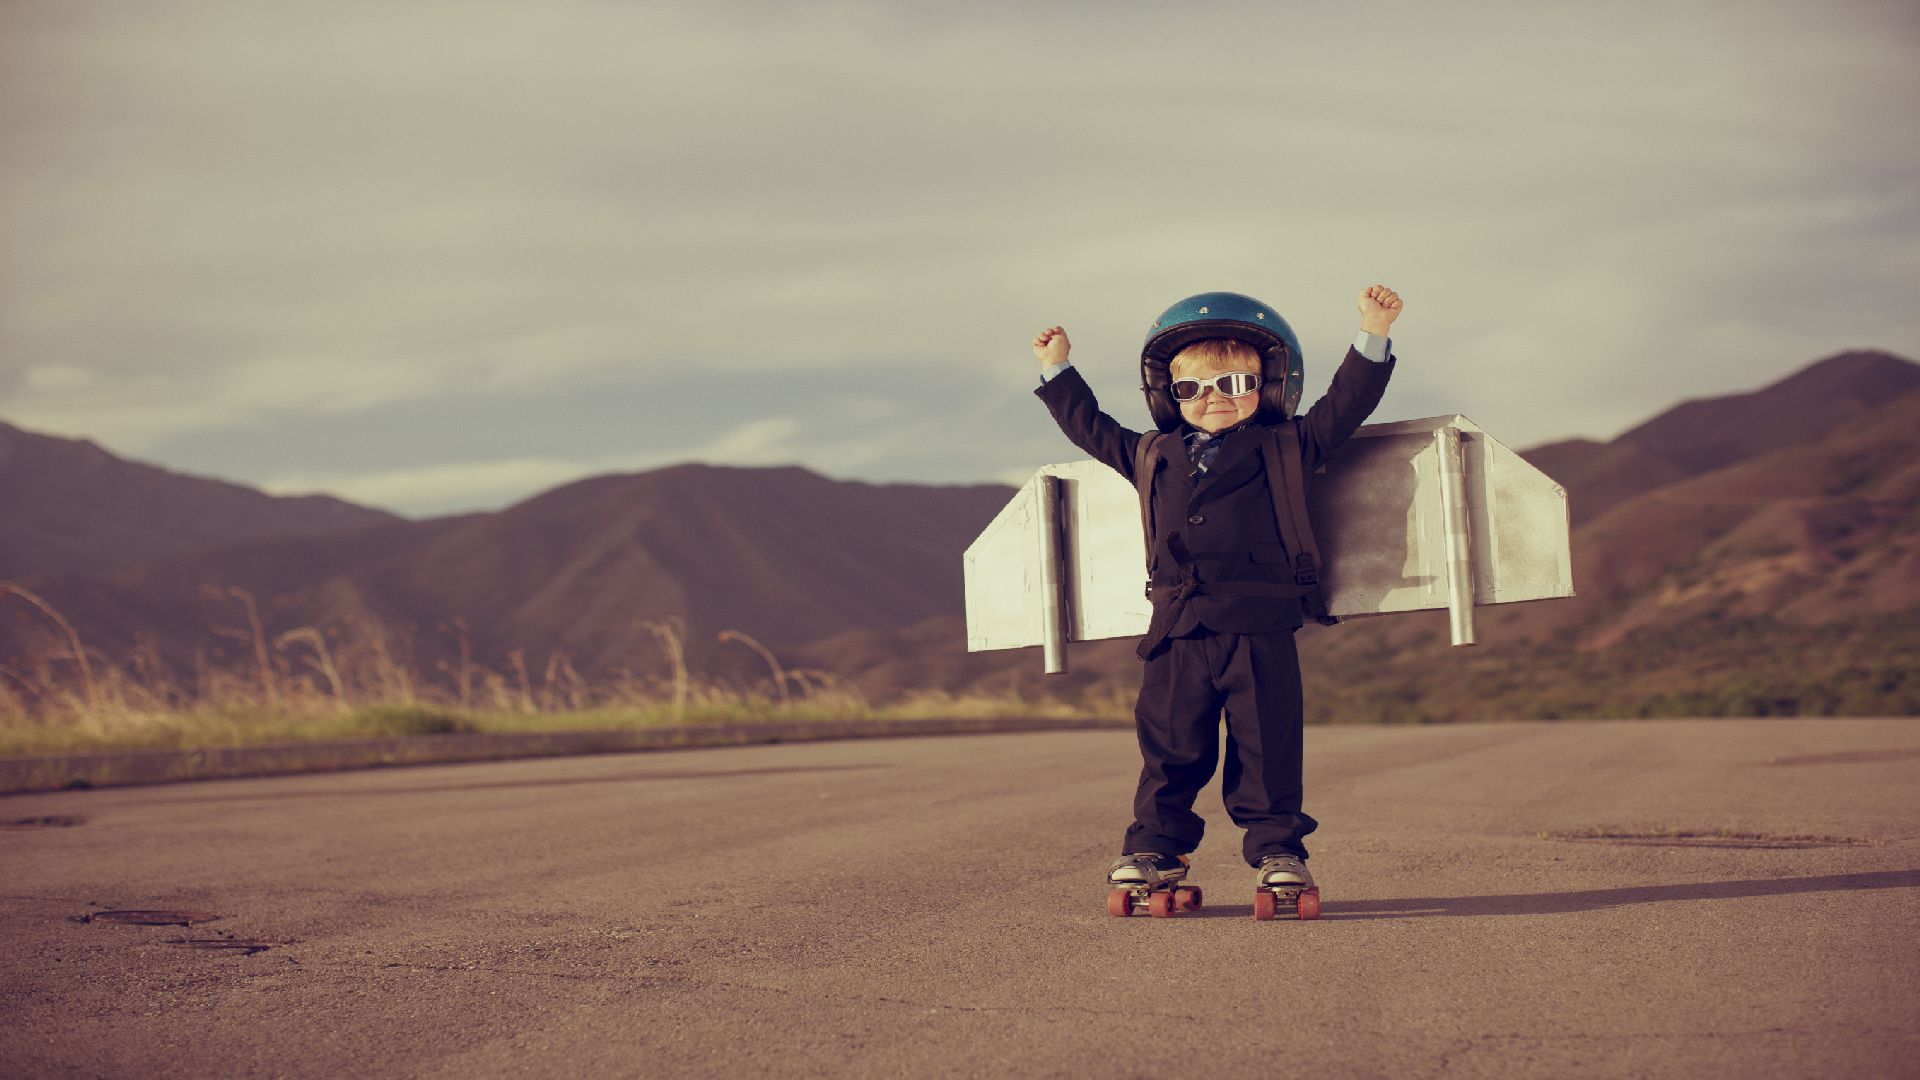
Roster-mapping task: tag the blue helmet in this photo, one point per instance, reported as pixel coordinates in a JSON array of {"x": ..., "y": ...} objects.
[{"x": 1222, "y": 315}]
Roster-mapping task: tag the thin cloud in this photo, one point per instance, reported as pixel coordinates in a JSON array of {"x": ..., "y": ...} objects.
[
  {"x": 447, "y": 487},
  {"x": 227, "y": 222}
]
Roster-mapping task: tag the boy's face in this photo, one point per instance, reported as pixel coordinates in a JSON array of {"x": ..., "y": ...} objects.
[{"x": 1210, "y": 411}]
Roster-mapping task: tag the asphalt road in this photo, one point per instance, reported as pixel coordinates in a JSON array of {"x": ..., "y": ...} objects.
[{"x": 934, "y": 906}]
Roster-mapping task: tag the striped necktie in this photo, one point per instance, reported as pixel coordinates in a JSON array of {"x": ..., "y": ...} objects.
[{"x": 1202, "y": 447}]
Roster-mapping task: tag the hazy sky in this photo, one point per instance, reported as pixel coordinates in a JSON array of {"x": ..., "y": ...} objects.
[{"x": 438, "y": 256}]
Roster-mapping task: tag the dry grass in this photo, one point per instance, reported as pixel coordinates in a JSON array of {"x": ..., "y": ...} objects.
[
  {"x": 312, "y": 684},
  {"x": 360, "y": 680},
  {"x": 243, "y": 723}
]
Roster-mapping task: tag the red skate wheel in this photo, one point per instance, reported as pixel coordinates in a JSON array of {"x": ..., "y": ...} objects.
[
  {"x": 1120, "y": 903},
  {"x": 1160, "y": 904},
  {"x": 1309, "y": 906},
  {"x": 1265, "y": 906},
  {"x": 1187, "y": 898}
]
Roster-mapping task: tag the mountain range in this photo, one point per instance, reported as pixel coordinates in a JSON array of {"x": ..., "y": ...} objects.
[
  {"x": 73, "y": 507},
  {"x": 1768, "y": 517}
]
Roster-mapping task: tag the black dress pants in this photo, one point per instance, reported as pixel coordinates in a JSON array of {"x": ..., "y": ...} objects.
[{"x": 1255, "y": 678}]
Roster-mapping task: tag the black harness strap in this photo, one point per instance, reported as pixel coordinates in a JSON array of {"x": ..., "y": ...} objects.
[
  {"x": 1146, "y": 465},
  {"x": 1287, "y": 482}
]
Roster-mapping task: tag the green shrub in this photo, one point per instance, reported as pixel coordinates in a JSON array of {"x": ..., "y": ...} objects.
[{"x": 377, "y": 720}]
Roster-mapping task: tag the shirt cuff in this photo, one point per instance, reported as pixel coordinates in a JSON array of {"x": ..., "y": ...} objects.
[
  {"x": 1374, "y": 347},
  {"x": 1051, "y": 370}
]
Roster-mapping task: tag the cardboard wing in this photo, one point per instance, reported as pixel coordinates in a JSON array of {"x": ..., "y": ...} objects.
[{"x": 1410, "y": 516}]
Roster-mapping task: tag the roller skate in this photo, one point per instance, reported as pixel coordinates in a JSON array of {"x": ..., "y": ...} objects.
[
  {"x": 1149, "y": 882},
  {"x": 1283, "y": 883}
]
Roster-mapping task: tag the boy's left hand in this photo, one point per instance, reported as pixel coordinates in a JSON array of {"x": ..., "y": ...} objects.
[{"x": 1379, "y": 306}]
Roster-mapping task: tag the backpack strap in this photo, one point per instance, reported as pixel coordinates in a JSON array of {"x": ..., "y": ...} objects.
[
  {"x": 1146, "y": 465},
  {"x": 1287, "y": 482}
]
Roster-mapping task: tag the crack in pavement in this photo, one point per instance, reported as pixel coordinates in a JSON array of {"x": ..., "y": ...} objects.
[
  {"x": 1475, "y": 1042},
  {"x": 644, "y": 982}
]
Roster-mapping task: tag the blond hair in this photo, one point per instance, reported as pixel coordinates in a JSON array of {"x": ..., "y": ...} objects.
[{"x": 1215, "y": 354}]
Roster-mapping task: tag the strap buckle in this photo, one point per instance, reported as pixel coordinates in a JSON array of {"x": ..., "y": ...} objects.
[{"x": 1305, "y": 572}]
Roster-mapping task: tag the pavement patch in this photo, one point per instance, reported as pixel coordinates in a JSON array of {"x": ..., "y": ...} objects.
[
  {"x": 1702, "y": 838},
  {"x": 1847, "y": 757},
  {"x": 149, "y": 918},
  {"x": 50, "y": 821},
  {"x": 226, "y": 945}
]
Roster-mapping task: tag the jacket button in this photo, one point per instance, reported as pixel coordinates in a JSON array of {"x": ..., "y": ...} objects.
[{"x": 1197, "y": 519}]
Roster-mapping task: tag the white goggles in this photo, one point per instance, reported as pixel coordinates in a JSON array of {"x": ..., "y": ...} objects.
[{"x": 1225, "y": 384}]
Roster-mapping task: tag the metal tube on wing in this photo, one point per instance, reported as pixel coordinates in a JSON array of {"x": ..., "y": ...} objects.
[
  {"x": 1053, "y": 608},
  {"x": 1453, "y": 507}
]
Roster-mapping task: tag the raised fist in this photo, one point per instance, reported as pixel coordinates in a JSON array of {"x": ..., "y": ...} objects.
[
  {"x": 1379, "y": 306},
  {"x": 1050, "y": 346}
]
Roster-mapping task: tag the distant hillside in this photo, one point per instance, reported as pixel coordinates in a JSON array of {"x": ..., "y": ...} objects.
[
  {"x": 1699, "y": 436},
  {"x": 1816, "y": 532},
  {"x": 784, "y": 555},
  {"x": 72, "y": 507}
]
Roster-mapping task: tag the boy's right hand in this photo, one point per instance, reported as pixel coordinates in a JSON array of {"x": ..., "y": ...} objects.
[{"x": 1050, "y": 346}]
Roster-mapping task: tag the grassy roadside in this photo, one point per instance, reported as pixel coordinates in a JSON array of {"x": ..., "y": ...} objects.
[
  {"x": 1368, "y": 674},
  {"x": 305, "y": 686},
  {"x": 242, "y": 724},
  {"x": 1740, "y": 668}
]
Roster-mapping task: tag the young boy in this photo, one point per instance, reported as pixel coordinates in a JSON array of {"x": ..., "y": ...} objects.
[{"x": 1220, "y": 372}]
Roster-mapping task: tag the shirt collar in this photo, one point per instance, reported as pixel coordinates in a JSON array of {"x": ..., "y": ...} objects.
[{"x": 1197, "y": 436}]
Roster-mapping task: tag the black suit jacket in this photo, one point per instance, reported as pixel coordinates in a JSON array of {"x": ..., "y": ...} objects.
[{"x": 1224, "y": 515}]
